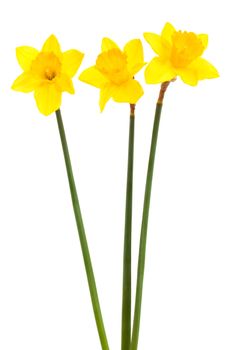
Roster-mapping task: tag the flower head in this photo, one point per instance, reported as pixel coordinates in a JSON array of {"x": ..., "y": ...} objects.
[
  {"x": 47, "y": 72},
  {"x": 179, "y": 54},
  {"x": 114, "y": 70}
]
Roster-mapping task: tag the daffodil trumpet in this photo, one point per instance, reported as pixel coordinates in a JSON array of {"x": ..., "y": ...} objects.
[
  {"x": 82, "y": 236},
  {"x": 126, "y": 290}
]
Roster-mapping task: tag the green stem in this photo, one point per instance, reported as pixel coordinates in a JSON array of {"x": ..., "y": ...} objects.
[
  {"x": 82, "y": 237},
  {"x": 144, "y": 225},
  {"x": 126, "y": 292}
]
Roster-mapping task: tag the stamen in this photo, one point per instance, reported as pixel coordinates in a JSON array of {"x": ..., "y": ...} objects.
[{"x": 50, "y": 74}]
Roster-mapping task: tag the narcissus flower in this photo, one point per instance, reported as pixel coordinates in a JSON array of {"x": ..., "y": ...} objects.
[
  {"x": 48, "y": 73},
  {"x": 114, "y": 72},
  {"x": 179, "y": 54}
]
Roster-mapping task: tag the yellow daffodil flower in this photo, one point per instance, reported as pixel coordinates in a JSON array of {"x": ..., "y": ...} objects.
[
  {"x": 179, "y": 54},
  {"x": 114, "y": 72},
  {"x": 48, "y": 73}
]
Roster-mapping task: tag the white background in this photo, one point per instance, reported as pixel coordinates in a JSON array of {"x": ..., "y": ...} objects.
[{"x": 44, "y": 299}]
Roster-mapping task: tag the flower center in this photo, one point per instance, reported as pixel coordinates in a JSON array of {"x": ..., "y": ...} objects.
[
  {"x": 50, "y": 74},
  {"x": 113, "y": 64},
  {"x": 186, "y": 48},
  {"x": 46, "y": 65}
]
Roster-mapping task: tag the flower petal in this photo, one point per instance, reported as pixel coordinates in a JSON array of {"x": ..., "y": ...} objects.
[
  {"x": 108, "y": 44},
  {"x": 159, "y": 71},
  {"x": 93, "y": 77},
  {"x": 71, "y": 62},
  {"x": 105, "y": 95},
  {"x": 189, "y": 76},
  {"x": 204, "y": 39},
  {"x": 25, "y": 55},
  {"x": 134, "y": 51},
  {"x": 204, "y": 69},
  {"x": 65, "y": 83},
  {"x": 52, "y": 45},
  {"x": 154, "y": 41},
  {"x": 48, "y": 98},
  {"x": 129, "y": 92},
  {"x": 167, "y": 32},
  {"x": 26, "y": 82}
]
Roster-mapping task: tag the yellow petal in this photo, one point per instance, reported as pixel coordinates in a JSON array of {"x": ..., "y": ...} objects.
[
  {"x": 188, "y": 76},
  {"x": 204, "y": 40},
  {"x": 108, "y": 44},
  {"x": 25, "y": 55},
  {"x": 204, "y": 69},
  {"x": 71, "y": 62},
  {"x": 105, "y": 95},
  {"x": 65, "y": 83},
  {"x": 52, "y": 45},
  {"x": 135, "y": 69},
  {"x": 129, "y": 92},
  {"x": 135, "y": 60},
  {"x": 155, "y": 42},
  {"x": 167, "y": 32},
  {"x": 159, "y": 71},
  {"x": 93, "y": 77},
  {"x": 48, "y": 98},
  {"x": 25, "y": 83}
]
